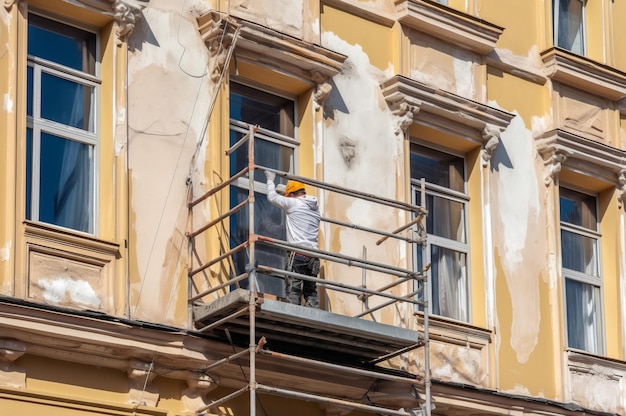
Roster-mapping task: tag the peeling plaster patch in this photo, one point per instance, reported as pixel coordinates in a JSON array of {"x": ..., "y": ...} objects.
[
  {"x": 520, "y": 233},
  {"x": 7, "y": 103},
  {"x": 540, "y": 125},
  {"x": 463, "y": 75},
  {"x": 5, "y": 252},
  {"x": 55, "y": 291},
  {"x": 316, "y": 27},
  {"x": 530, "y": 63}
]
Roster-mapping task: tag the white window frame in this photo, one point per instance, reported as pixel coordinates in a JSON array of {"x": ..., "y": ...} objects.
[
  {"x": 293, "y": 143},
  {"x": 40, "y": 125},
  {"x": 584, "y": 278},
  {"x": 556, "y": 22},
  {"x": 445, "y": 243}
]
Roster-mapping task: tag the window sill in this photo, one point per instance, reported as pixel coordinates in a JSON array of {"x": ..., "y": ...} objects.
[
  {"x": 584, "y": 74},
  {"x": 69, "y": 238},
  {"x": 455, "y": 332}
]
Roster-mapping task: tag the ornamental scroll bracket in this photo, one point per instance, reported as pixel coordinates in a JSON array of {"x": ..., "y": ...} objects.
[
  {"x": 323, "y": 88},
  {"x": 491, "y": 135},
  {"x": 404, "y": 114},
  {"x": 621, "y": 190},
  {"x": 126, "y": 14},
  {"x": 553, "y": 159}
]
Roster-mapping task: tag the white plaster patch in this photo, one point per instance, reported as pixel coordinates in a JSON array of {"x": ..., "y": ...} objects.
[
  {"x": 55, "y": 291},
  {"x": 7, "y": 103},
  {"x": 315, "y": 28},
  {"x": 517, "y": 182},
  {"x": 5, "y": 251},
  {"x": 463, "y": 75}
]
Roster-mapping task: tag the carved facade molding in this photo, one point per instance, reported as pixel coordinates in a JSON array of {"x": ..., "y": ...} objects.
[
  {"x": 194, "y": 397},
  {"x": 263, "y": 46},
  {"x": 126, "y": 13},
  {"x": 414, "y": 102},
  {"x": 219, "y": 35},
  {"x": 404, "y": 114},
  {"x": 11, "y": 375},
  {"x": 8, "y": 4},
  {"x": 553, "y": 159},
  {"x": 491, "y": 135},
  {"x": 563, "y": 149},
  {"x": 322, "y": 90},
  {"x": 140, "y": 377},
  {"x": 621, "y": 190}
]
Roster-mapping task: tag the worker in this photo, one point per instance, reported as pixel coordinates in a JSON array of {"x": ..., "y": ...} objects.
[{"x": 303, "y": 221}]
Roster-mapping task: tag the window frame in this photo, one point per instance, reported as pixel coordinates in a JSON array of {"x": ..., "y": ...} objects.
[
  {"x": 39, "y": 125},
  {"x": 583, "y": 23},
  {"x": 443, "y": 242},
  {"x": 260, "y": 187},
  {"x": 596, "y": 282}
]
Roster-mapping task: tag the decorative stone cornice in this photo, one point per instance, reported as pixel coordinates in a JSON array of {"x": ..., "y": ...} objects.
[
  {"x": 585, "y": 74},
  {"x": 562, "y": 149},
  {"x": 266, "y": 47},
  {"x": 448, "y": 24},
  {"x": 413, "y": 101}
]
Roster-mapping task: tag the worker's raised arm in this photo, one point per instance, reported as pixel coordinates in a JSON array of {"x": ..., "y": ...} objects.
[{"x": 272, "y": 196}]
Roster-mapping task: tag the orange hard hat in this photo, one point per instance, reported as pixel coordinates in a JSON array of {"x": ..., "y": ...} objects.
[{"x": 293, "y": 186}]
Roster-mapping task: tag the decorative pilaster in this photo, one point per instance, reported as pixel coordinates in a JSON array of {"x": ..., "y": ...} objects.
[
  {"x": 491, "y": 135},
  {"x": 194, "y": 396},
  {"x": 11, "y": 375},
  {"x": 141, "y": 391},
  {"x": 126, "y": 13}
]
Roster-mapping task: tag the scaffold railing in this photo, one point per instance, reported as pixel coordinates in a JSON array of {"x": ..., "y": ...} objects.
[{"x": 205, "y": 288}]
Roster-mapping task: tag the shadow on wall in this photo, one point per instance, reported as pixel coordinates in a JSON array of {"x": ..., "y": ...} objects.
[
  {"x": 334, "y": 102},
  {"x": 141, "y": 33},
  {"x": 500, "y": 157}
]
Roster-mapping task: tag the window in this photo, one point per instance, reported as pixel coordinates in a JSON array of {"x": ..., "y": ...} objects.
[
  {"x": 62, "y": 137},
  {"x": 569, "y": 25},
  {"x": 580, "y": 258},
  {"x": 447, "y": 247},
  {"x": 275, "y": 148}
]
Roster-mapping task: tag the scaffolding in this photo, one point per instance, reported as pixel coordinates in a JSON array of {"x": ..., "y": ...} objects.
[{"x": 352, "y": 348}]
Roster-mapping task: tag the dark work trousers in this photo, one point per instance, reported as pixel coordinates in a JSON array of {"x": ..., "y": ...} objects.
[{"x": 295, "y": 287}]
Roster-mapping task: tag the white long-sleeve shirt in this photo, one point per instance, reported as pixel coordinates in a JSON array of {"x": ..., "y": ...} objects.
[{"x": 303, "y": 216}]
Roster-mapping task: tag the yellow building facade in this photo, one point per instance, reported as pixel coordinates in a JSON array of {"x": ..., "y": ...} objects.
[{"x": 468, "y": 157}]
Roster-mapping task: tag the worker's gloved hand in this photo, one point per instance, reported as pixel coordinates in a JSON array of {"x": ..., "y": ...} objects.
[
  {"x": 270, "y": 175},
  {"x": 280, "y": 189}
]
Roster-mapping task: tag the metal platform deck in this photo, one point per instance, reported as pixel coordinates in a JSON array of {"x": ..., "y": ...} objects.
[{"x": 303, "y": 331}]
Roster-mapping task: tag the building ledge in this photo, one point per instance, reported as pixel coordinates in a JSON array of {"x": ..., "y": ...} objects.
[
  {"x": 560, "y": 148},
  {"x": 263, "y": 46},
  {"x": 448, "y": 24},
  {"x": 584, "y": 74}
]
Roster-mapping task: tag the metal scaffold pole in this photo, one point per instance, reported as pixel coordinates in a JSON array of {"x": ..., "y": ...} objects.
[{"x": 252, "y": 271}]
